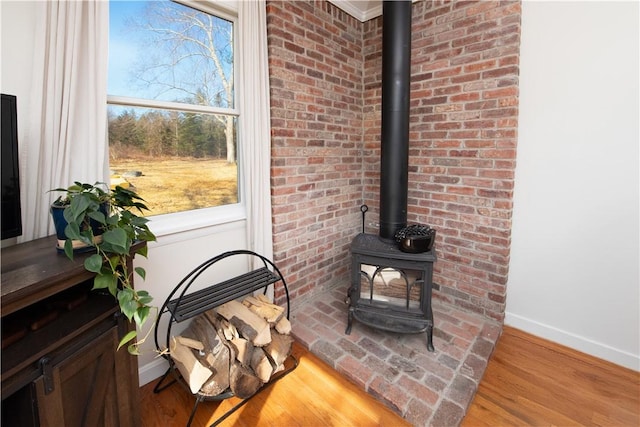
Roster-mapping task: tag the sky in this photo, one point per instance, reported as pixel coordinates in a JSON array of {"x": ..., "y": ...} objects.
[
  {"x": 122, "y": 52},
  {"x": 193, "y": 72}
]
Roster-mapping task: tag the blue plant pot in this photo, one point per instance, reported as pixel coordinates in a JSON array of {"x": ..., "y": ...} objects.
[
  {"x": 57, "y": 213},
  {"x": 60, "y": 223}
]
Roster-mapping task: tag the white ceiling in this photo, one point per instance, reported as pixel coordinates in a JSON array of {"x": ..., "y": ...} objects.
[{"x": 363, "y": 10}]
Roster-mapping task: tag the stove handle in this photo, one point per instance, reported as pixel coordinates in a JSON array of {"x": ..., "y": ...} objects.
[{"x": 363, "y": 209}]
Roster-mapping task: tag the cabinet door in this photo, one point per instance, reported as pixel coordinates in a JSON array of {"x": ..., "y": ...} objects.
[{"x": 84, "y": 387}]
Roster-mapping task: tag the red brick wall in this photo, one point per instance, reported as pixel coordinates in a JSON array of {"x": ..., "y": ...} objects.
[
  {"x": 326, "y": 140},
  {"x": 315, "y": 66}
]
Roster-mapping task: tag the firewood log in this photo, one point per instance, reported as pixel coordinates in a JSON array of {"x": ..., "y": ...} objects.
[
  {"x": 250, "y": 325},
  {"x": 190, "y": 342},
  {"x": 244, "y": 382},
  {"x": 243, "y": 349},
  {"x": 265, "y": 309},
  {"x": 202, "y": 330},
  {"x": 279, "y": 348},
  {"x": 261, "y": 365},
  {"x": 229, "y": 331},
  {"x": 264, "y": 298},
  {"x": 215, "y": 355},
  {"x": 283, "y": 326},
  {"x": 189, "y": 366}
]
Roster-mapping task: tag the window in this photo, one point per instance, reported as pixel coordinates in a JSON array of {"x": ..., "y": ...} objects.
[{"x": 171, "y": 109}]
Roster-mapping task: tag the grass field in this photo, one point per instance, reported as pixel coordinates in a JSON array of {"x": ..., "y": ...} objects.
[{"x": 179, "y": 184}]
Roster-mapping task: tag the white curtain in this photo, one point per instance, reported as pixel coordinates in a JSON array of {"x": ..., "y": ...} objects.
[
  {"x": 66, "y": 140},
  {"x": 255, "y": 125}
]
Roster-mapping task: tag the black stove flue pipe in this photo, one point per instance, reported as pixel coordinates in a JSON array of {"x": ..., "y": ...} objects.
[{"x": 396, "y": 80}]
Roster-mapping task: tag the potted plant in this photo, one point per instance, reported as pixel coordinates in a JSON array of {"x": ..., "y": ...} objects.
[
  {"x": 107, "y": 221},
  {"x": 84, "y": 202}
]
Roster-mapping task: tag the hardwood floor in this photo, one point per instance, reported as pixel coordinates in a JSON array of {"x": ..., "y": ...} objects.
[
  {"x": 312, "y": 395},
  {"x": 529, "y": 381}
]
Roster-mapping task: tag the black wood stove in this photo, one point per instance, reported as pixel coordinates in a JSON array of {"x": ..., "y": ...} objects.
[{"x": 391, "y": 289}]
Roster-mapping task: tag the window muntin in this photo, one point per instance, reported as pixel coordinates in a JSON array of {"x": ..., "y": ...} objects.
[{"x": 172, "y": 116}]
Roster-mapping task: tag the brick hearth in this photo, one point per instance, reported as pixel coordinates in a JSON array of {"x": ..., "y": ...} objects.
[{"x": 425, "y": 388}]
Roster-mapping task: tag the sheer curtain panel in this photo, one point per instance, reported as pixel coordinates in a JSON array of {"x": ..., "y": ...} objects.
[
  {"x": 66, "y": 139},
  {"x": 255, "y": 125}
]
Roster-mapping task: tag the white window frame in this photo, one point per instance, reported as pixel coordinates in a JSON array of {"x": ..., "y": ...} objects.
[{"x": 203, "y": 218}]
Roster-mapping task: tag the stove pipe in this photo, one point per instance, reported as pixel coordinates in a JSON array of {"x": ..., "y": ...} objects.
[{"x": 396, "y": 76}]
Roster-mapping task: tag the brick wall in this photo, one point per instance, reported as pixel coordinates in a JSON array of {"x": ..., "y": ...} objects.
[
  {"x": 316, "y": 68},
  {"x": 326, "y": 70}
]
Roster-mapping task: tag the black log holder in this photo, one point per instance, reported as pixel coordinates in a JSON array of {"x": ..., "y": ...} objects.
[{"x": 183, "y": 304}]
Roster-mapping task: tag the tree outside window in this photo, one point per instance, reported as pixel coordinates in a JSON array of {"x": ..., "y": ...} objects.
[{"x": 172, "y": 116}]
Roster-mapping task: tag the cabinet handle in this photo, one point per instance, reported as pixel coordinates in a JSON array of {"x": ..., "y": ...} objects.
[{"x": 47, "y": 374}]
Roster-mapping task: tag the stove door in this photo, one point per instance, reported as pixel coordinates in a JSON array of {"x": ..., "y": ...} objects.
[{"x": 390, "y": 286}]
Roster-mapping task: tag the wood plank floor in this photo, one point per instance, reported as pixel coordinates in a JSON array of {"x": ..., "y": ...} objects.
[
  {"x": 529, "y": 381},
  {"x": 312, "y": 395}
]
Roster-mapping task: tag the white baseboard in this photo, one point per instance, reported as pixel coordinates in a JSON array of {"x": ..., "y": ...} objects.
[
  {"x": 576, "y": 342},
  {"x": 151, "y": 371}
]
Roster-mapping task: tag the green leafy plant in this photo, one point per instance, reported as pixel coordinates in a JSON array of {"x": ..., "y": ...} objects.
[{"x": 108, "y": 221}]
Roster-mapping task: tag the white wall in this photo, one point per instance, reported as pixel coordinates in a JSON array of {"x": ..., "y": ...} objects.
[
  {"x": 574, "y": 274},
  {"x": 17, "y": 41}
]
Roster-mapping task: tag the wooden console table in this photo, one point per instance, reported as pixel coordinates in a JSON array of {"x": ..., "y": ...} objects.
[{"x": 59, "y": 360}]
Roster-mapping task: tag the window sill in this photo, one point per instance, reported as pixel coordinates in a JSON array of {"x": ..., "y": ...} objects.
[{"x": 171, "y": 228}]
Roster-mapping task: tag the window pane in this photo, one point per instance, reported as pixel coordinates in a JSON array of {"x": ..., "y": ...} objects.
[
  {"x": 165, "y": 51},
  {"x": 176, "y": 161}
]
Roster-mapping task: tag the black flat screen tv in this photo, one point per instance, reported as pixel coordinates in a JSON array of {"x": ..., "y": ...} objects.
[{"x": 11, "y": 209}]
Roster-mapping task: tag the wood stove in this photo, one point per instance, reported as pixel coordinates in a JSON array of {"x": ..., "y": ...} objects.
[{"x": 390, "y": 289}]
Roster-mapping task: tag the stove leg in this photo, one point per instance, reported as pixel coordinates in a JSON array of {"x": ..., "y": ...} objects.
[
  {"x": 349, "y": 321},
  {"x": 430, "y": 338}
]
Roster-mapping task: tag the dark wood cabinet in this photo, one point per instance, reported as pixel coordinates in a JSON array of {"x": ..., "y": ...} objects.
[{"x": 60, "y": 366}]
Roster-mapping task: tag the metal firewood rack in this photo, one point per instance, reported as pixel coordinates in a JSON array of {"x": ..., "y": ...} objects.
[{"x": 181, "y": 305}]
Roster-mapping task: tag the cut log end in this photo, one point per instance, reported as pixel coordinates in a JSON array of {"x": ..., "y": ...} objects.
[{"x": 244, "y": 382}]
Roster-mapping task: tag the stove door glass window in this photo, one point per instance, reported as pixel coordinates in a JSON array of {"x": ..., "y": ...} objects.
[{"x": 391, "y": 286}]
